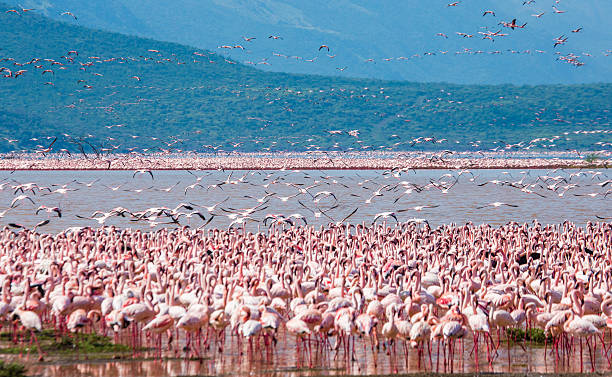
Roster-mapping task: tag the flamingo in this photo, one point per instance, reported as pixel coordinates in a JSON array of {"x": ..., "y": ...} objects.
[
  {"x": 581, "y": 328},
  {"x": 300, "y": 330},
  {"x": 419, "y": 334},
  {"x": 158, "y": 325},
  {"x": 501, "y": 319},
  {"x": 479, "y": 323},
  {"x": 557, "y": 11},
  {"x": 191, "y": 322},
  {"x": 67, "y": 13},
  {"x": 250, "y": 328},
  {"x": 30, "y": 321},
  {"x": 344, "y": 323}
]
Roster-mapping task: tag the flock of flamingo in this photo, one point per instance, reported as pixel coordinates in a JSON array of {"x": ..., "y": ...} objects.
[
  {"x": 314, "y": 160},
  {"x": 356, "y": 294},
  {"x": 375, "y": 292},
  {"x": 487, "y": 34},
  {"x": 292, "y": 197},
  {"x": 571, "y": 58},
  {"x": 391, "y": 290}
]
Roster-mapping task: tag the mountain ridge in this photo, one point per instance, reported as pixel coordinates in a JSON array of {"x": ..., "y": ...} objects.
[{"x": 121, "y": 92}]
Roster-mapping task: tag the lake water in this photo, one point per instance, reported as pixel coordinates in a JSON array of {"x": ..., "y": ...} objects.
[
  {"x": 352, "y": 189},
  {"x": 287, "y": 362}
]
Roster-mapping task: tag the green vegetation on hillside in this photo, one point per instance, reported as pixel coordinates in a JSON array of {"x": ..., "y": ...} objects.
[{"x": 182, "y": 98}]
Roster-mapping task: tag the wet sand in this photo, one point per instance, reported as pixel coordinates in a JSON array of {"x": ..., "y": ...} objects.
[{"x": 299, "y": 161}]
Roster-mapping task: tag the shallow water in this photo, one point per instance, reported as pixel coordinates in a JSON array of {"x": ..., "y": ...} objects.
[
  {"x": 351, "y": 188},
  {"x": 285, "y": 361}
]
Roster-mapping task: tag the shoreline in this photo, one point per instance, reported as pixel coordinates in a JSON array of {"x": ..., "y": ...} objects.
[{"x": 280, "y": 162}]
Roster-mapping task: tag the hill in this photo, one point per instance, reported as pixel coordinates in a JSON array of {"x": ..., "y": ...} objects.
[
  {"x": 385, "y": 39},
  {"x": 116, "y": 92}
]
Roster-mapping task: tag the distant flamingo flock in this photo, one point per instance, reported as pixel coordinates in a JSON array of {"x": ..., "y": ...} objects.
[
  {"x": 391, "y": 290},
  {"x": 321, "y": 160}
]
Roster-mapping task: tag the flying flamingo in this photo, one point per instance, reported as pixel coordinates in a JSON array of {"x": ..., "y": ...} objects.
[
  {"x": 557, "y": 11},
  {"x": 68, "y": 14}
]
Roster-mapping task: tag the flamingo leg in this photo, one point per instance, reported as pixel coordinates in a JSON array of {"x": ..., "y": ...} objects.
[
  {"x": 581, "y": 366},
  {"x": 438, "y": 357},
  {"x": 30, "y": 345},
  {"x": 591, "y": 357},
  {"x": 476, "y": 348},
  {"x": 40, "y": 351},
  {"x": 508, "y": 339}
]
